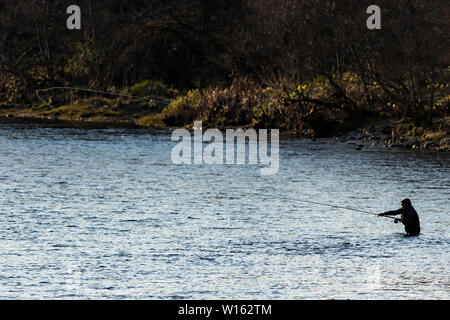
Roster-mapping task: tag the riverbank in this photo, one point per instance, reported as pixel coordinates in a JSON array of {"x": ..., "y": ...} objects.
[
  {"x": 379, "y": 131},
  {"x": 401, "y": 134}
]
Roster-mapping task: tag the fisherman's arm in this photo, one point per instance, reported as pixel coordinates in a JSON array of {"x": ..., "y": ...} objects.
[{"x": 392, "y": 213}]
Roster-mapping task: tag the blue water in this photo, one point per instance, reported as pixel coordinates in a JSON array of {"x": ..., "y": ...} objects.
[{"x": 105, "y": 214}]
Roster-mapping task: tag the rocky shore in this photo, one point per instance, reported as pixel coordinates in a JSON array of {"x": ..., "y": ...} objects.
[
  {"x": 389, "y": 137},
  {"x": 386, "y": 133}
]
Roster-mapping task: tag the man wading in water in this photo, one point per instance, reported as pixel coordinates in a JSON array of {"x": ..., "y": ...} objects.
[{"x": 409, "y": 217}]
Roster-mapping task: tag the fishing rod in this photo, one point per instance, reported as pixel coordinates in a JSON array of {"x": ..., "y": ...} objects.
[
  {"x": 100, "y": 91},
  {"x": 327, "y": 205}
]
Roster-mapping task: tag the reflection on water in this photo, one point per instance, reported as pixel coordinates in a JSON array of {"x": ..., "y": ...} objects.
[{"x": 104, "y": 214}]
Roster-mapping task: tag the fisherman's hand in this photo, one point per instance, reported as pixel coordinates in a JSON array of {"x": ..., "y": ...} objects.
[{"x": 396, "y": 220}]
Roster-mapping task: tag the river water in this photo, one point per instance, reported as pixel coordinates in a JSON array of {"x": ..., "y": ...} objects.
[{"x": 105, "y": 214}]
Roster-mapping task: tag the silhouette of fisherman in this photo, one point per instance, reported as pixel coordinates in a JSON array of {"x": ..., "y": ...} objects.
[{"x": 409, "y": 217}]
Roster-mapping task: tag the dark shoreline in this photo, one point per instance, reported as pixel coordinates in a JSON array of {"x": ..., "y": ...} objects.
[
  {"x": 85, "y": 125},
  {"x": 357, "y": 138}
]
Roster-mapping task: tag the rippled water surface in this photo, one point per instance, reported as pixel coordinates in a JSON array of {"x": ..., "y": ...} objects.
[{"x": 104, "y": 214}]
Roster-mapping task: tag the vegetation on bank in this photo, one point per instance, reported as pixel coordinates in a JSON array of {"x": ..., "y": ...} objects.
[
  {"x": 245, "y": 104},
  {"x": 309, "y": 68}
]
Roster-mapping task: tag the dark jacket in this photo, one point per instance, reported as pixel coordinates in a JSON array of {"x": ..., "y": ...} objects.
[{"x": 410, "y": 219}]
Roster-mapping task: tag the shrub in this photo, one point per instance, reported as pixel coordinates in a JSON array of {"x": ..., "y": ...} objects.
[{"x": 149, "y": 88}]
